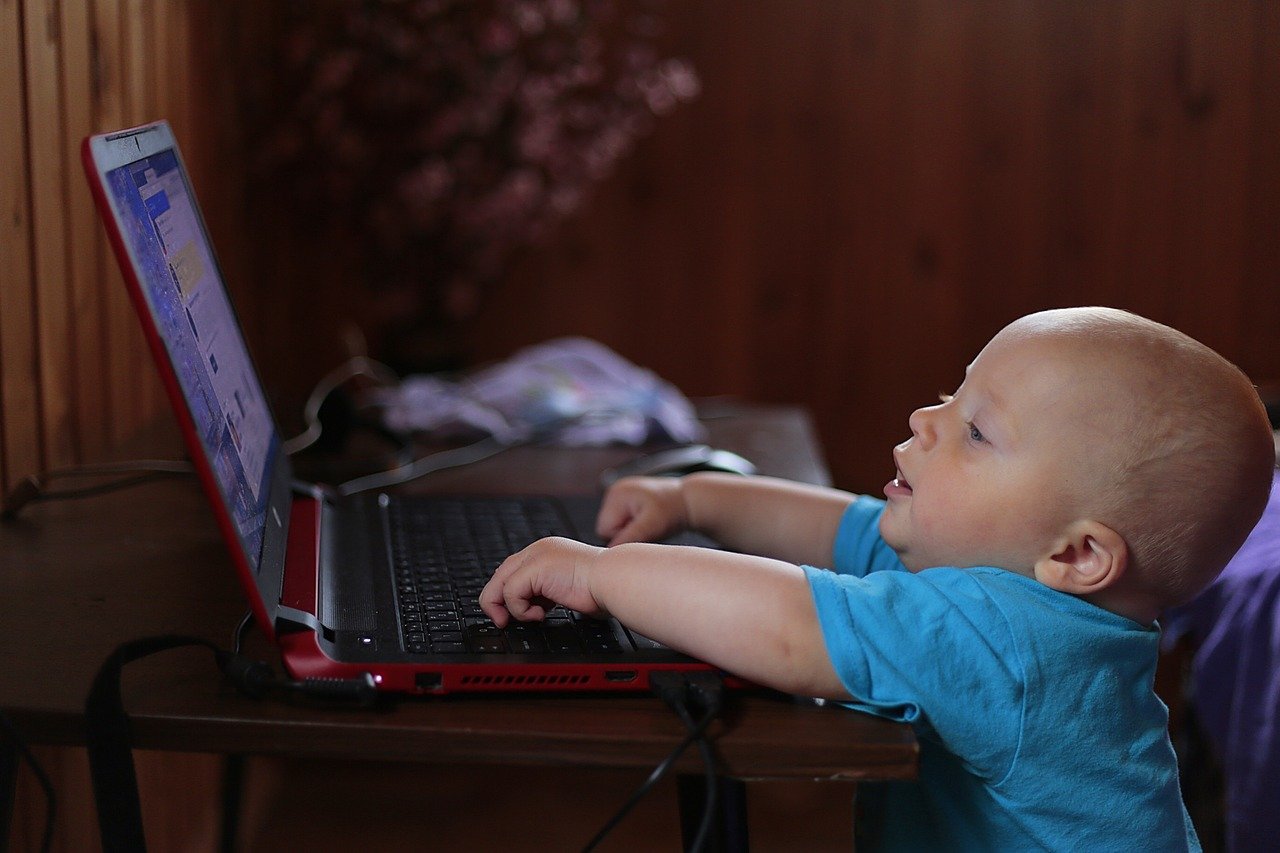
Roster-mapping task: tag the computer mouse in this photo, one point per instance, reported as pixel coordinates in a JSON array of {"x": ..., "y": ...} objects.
[{"x": 678, "y": 461}]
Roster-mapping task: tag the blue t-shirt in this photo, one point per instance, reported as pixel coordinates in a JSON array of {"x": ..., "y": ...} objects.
[{"x": 1038, "y": 724}]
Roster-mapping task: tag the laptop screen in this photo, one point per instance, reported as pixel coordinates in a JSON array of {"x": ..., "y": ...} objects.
[{"x": 181, "y": 282}]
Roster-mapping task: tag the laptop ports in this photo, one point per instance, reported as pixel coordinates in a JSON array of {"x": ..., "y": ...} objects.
[{"x": 619, "y": 676}]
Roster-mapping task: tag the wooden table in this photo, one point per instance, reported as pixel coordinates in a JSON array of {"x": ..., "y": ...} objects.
[{"x": 79, "y": 577}]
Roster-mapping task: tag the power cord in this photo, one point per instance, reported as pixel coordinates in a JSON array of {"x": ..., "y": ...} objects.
[
  {"x": 453, "y": 458},
  {"x": 359, "y": 365},
  {"x": 687, "y": 694},
  {"x": 36, "y": 487},
  {"x": 704, "y": 693},
  {"x": 109, "y": 736},
  {"x": 258, "y": 680},
  {"x": 382, "y": 374},
  {"x": 457, "y": 457}
]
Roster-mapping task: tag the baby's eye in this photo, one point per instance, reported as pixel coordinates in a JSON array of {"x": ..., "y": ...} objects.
[
  {"x": 975, "y": 433},
  {"x": 944, "y": 397}
]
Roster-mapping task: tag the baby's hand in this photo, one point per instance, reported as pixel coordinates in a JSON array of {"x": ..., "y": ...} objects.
[
  {"x": 642, "y": 509},
  {"x": 549, "y": 572}
]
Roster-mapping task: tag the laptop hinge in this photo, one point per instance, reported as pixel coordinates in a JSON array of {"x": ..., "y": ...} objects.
[
  {"x": 299, "y": 602},
  {"x": 292, "y": 619}
]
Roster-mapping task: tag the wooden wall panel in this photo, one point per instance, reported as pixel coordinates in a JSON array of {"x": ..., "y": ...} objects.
[
  {"x": 1261, "y": 304},
  {"x": 75, "y": 378},
  {"x": 865, "y": 192},
  {"x": 88, "y": 350},
  {"x": 862, "y": 195},
  {"x": 49, "y": 180},
  {"x": 19, "y": 378}
]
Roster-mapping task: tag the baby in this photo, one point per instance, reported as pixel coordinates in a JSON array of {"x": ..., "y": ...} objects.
[{"x": 1093, "y": 469}]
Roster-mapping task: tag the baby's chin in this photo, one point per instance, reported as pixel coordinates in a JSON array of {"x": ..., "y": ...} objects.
[
  {"x": 913, "y": 563},
  {"x": 917, "y": 559},
  {"x": 905, "y": 554}
]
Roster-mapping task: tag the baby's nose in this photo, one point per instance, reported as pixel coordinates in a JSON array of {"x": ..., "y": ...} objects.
[{"x": 922, "y": 429}]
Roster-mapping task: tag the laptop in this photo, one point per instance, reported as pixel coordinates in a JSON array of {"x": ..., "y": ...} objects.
[{"x": 372, "y": 583}]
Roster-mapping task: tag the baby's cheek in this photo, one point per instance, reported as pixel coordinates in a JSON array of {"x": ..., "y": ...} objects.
[
  {"x": 952, "y": 532},
  {"x": 930, "y": 522}
]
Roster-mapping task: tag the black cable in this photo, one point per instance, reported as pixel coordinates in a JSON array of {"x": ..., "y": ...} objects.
[
  {"x": 237, "y": 636},
  {"x": 35, "y": 487},
  {"x": 356, "y": 366},
  {"x": 456, "y": 457},
  {"x": 110, "y": 740},
  {"x": 678, "y": 691},
  {"x": 258, "y": 679},
  {"x": 704, "y": 690},
  {"x": 654, "y": 777},
  {"x": 709, "y": 769},
  {"x": 50, "y": 798},
  {"x": 438, "y": 461}
]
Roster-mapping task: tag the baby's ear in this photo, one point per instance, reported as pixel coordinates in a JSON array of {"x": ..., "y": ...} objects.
[{"x": 1089, "y": 558}]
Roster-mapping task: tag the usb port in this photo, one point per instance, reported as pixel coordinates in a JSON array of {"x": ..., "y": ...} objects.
[{"x": 620, "y": 675}]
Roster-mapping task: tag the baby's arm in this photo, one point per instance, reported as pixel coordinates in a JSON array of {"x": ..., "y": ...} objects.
[
  {"x": 749, "y": 615},
  {"x": 788, "y": 521}
]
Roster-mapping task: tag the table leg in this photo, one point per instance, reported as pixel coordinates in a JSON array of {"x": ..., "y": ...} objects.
[
  {"x": 9, "y": 759},
  {"x": 232, "y": 795},
  {"x": 728, "y": 830}
]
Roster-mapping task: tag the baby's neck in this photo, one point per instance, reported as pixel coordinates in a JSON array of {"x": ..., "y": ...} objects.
[
  {"x": 1125, "y": 603},
  {"x": 1119, "y": 599}
]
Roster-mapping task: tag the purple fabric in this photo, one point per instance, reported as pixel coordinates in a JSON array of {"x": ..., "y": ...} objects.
[{"x": 1236, "y": 679}]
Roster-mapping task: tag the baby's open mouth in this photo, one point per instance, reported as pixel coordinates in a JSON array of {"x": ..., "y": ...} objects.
[{"x": 901, "y": 481}]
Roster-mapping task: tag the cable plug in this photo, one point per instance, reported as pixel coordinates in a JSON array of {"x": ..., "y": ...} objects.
[
  {"x": 671, "y": 687},
  {"x": 360, "y": 690},
  {"x": 706, "y": 690},
  {"x": 253, "y": 678},
  {"x": 699, "y": 693}
]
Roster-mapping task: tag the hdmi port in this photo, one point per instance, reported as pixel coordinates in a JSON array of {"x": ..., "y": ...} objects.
[{"x": 620, "y": 675}]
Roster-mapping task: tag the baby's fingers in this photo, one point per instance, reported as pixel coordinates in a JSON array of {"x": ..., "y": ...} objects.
[
  {"x": 615, "y": 514},
  {"x": 539, "y": 577},
  {"x": 634, "y": 512},
  {"x": 493, "y": 598}
]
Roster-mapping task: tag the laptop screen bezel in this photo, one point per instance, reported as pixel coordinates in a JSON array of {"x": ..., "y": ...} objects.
[{"x": 261, "y": 575}]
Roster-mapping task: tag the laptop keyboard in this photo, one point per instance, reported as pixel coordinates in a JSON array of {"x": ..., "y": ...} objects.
[{"x": 444, "y": 552}]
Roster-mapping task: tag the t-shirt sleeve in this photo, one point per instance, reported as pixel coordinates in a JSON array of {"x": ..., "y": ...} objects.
[
  {"x": 858, "y": 548},
  {"x": 931, "y": 649}
]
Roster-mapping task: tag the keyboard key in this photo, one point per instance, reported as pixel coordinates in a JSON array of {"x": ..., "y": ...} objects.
[
  {"x": 443, "y": 554},
  {"x": 525, "y": 639},
  {"x": 526, "y": 645},
  {"x": 487, "y": 645},
  {"x": 562, "y": 638}
]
